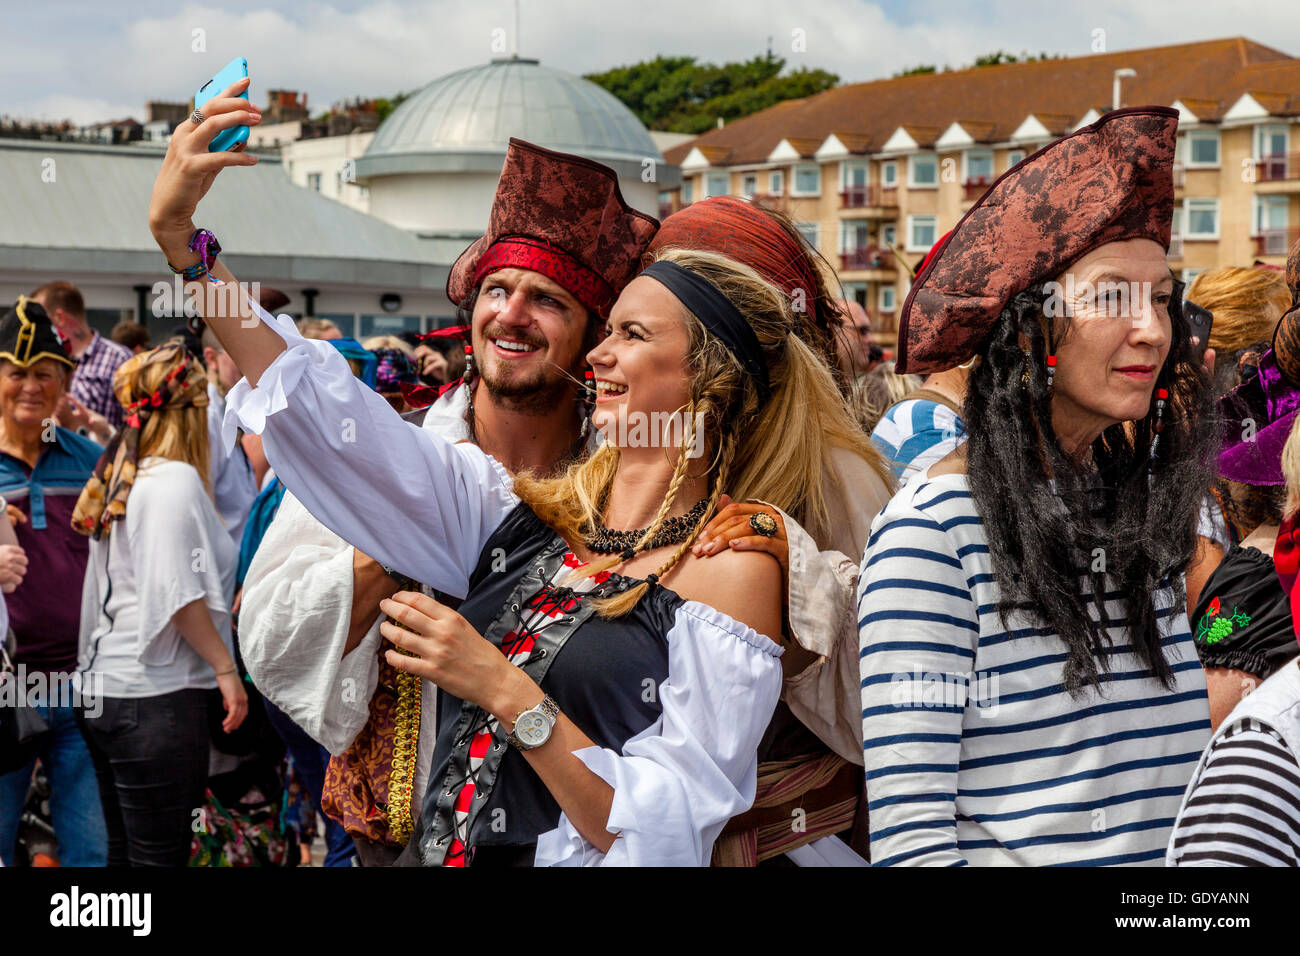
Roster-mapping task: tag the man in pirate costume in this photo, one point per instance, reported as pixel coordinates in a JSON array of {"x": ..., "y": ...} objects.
[
  {"x": 561, "y": 243},
  {"x": 42, "y": 471}
]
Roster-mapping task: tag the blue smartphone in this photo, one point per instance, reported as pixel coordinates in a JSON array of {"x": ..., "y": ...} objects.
[{"x": 235, "y": 138}]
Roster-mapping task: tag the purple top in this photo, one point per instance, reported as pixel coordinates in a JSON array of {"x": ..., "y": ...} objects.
[{"x": 92, "y": 379}]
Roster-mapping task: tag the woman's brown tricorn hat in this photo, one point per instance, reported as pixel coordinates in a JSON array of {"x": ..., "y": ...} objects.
[
  {"x": 1110, "y": 181},
  {"x": 563, "y": 216}
]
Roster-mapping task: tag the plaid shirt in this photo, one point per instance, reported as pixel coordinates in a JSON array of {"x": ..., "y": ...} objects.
[{"x": 92, "y": 379}]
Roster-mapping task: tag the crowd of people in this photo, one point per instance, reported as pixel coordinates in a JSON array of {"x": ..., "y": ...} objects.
[{"x": 657, "y": 559}]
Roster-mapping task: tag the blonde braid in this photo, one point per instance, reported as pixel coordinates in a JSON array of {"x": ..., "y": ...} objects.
[{"x": 622, "y": 603}]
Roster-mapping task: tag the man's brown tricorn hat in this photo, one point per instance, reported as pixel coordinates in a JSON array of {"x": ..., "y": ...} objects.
[
  {"x": 564, "y": 217},
  {"x": 1110, "y": 181}
]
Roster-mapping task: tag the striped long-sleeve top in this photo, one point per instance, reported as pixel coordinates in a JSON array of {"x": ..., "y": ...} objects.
[
  {"x": 1242, "y": 807},
  {"x": 975, "y": 752}
]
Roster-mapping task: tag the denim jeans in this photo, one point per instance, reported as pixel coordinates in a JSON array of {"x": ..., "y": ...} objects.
[
  {"x": 151, "y": 758},
  {"x": 311, "y": 760},
  {"x": 74, "y": 794}
]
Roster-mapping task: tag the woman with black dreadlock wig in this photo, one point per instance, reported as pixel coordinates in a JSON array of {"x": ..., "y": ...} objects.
[{"x": 1031, "y": 691}]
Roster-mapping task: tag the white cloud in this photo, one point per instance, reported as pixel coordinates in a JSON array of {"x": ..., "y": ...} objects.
[{"x": 332, "y": 50}]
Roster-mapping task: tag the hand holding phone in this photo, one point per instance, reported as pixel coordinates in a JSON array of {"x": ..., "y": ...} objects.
[{"x": 228, "y": 140}]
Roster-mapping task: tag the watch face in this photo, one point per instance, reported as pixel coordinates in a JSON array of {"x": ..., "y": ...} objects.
[{"x": 533, "y": 728}]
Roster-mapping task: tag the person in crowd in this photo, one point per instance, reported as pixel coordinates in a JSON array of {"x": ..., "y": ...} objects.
[
  {"x": 1246, "y": 304},
  {"x": 314, "y": 328},
  {"x": 233, "y": 479},
  {"x": 434, "y": 366},
  {"x": 97, "y": 358},
  {"x": 312, "y": 613},
  {"x": 1242, "y": 621},
  {"x": 42, "y": 469},
  {"x": 155, "y": 612},
  {"x": 925, "y": 425},
  {"x": 395, "y": 375},
  {"x": 1242, "y": 806},
  {"x": 857, "y": 353},
  {"x": 882, "y": 388},
  {"x": 1007, "y": 717},
  {"x": 131, "y": 335},
  {"x": 820, "y": 511},
  {"x": 377, "y": 342}
]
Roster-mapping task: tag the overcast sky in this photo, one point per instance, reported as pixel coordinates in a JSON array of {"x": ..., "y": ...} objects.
[{"x": 90, "y": 61}]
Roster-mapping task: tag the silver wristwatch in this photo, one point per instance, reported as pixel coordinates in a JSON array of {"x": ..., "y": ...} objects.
[{"x": 533, "y": 726}]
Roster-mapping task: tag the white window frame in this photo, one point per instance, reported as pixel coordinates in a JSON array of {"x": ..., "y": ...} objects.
[
  {"x": 890, "y": 227},
  {"x": 911, "y": 171},
  {"x": 1211, "y": 135},
  {"x": 1015, "y": 156},
  {"x": 846, "y": 167},
  {"x": 1261, "y": 131},
  {"x": 1257, "y": 212},
  {"x": 911, "y": 229},
  {"x": 893, "y": 296},
  {"x": 889, "y": 175},
  {"x": 965, "y": 163},
  {"x": 1187, "y": 275},
  {"x": 313, "y": 181},
  {"x": 815, "y": 239},
  {"x": 688, "y": 191},
  {"x": 794, "y": 179},
  {"x": 776, "y": 182},
  {"x": 708, "y": 184},
  {"x": 1201, "y": 203},
  {"x": 745, "y": 190},
  {"x": 848, "y": 225}
]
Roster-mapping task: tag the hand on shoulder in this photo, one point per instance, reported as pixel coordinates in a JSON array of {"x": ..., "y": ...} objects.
[{"x": 745, "y": 585}]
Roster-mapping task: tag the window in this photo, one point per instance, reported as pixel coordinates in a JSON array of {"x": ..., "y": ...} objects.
[
  {"x": 1270, "y": 214},
  {"x": 921, "y": 232},
  {"x": 856, "y": 292},
  {"x": 853, "y": 235},
  {"x": 887, "y": 298},
  {"x": 1202, "y": 147},
  {"x": 313, "y": 181},
  {"x": 1202, "y": 219},
  {"x": 809, "y": 232},
  {"x": 807, "y": 180},
  {"x": 346, "y": 321},
  {"x": 1190, "y": 274},
  {"x": 888, "y": 235},
  {"x": 1014, "y": 156},
  {"x": 1270, "y": 141},
  {"x": 388, "y": 325},
  {"x": 749, "y": 185},
  {"x": 923, "y": 171},
  {"x": 979, "y": 165},
  {"x": 853, "y": 174},
  {"x": 715, "y": 184},
  {"x": 889, "y": 175},
  {"x": 776, "y": 182},
  {"x": 688, "y": 191}
]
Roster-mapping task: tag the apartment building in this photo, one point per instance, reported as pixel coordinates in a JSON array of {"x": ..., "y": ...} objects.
[{"x": 874, "y": 173}]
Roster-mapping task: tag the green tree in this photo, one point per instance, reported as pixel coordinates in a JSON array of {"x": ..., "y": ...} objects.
[{"x": 681, "y": 95}]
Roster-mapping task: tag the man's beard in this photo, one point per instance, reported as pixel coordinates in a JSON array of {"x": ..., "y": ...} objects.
[{"x": 531, "y": 395}]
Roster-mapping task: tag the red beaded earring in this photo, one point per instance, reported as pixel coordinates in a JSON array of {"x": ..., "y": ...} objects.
[
  {"x": 1051, "y": 371},
  {"x": 1161, "y": 396}
]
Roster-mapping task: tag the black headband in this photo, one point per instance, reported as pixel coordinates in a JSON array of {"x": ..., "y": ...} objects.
[{"x": 719, "y": 316}]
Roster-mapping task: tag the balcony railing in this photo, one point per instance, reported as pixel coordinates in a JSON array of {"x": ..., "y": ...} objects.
[
  {"x": 1276, "y": 242},
  {"x": 861, "y": 197},
  {"x": 977, "y": 186},
  {"x": 1278, "y": 166},
  {"x": 867, "y": 257}
]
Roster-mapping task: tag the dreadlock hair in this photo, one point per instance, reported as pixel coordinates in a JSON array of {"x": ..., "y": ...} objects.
[
  {"x": 777, "y": 451},
  {"x": 1048, "y": 518}
]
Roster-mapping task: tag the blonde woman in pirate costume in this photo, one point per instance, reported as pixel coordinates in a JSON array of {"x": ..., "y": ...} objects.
[
  {"x": 155, "y": 614},
  {"x": 310, "y": 619}
]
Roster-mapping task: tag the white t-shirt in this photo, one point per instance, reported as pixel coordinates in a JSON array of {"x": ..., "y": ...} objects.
[{"x": 171, "y": 549}]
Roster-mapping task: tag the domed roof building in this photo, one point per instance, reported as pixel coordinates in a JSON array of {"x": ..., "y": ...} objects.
[{"x": 432, "y": 166}]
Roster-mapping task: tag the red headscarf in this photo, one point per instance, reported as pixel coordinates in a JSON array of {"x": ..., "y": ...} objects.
[{"x": 739, "y": 230}]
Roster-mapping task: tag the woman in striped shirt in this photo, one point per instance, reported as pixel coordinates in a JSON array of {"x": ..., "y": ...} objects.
[{"x": 1030, "y": 690}]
